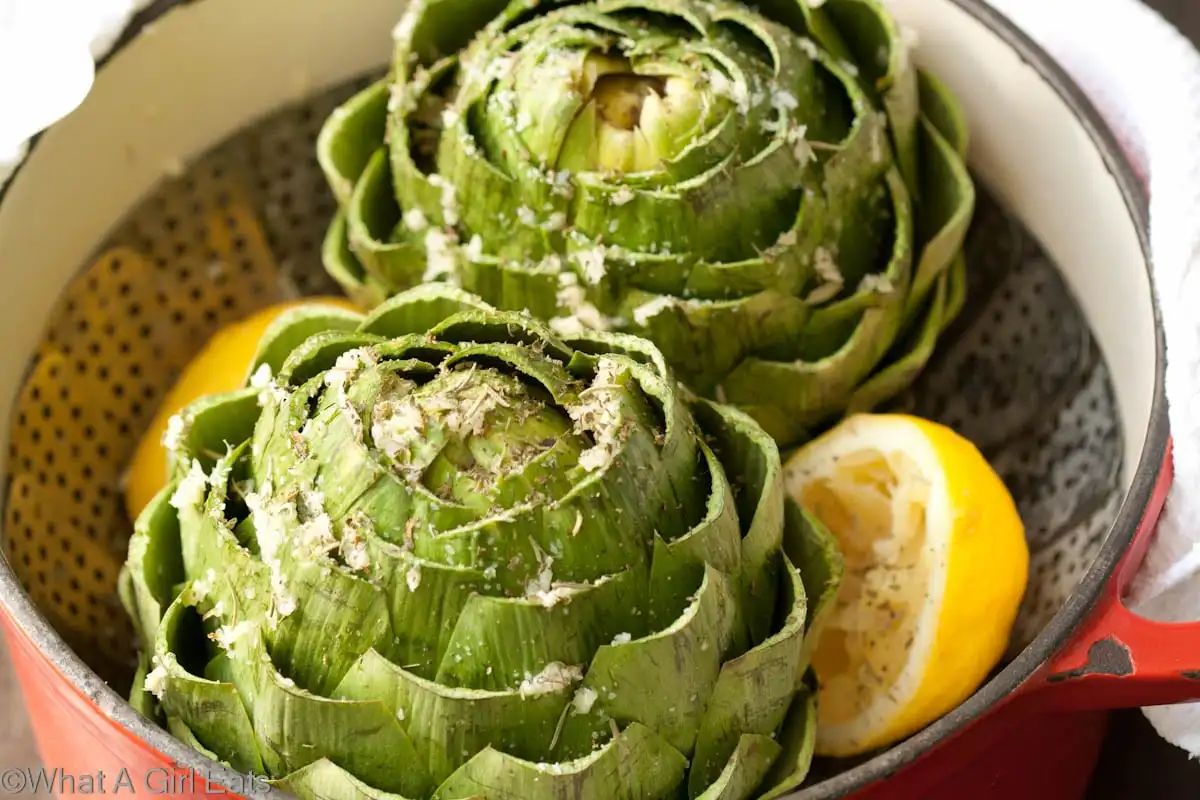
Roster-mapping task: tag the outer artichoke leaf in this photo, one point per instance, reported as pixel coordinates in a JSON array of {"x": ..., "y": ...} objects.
[
  {"x": 798, "y": 740},
  {"x": 956, "y": 290},
  {"x": 447, "y": 725},
  {"x": 913, "y": 354},
  {"x": 291, "y": 328},
  {"x": 517, "y": 216},
  {"x": 944, "y": 214},
  {"x": 637, "y": 765},
  {"x": 754, "y": 690},
  {"x": 371, "y": 218},
  {"x": 181, "y": 731},
  {"x": 274, "y": 456},
  {"x": 716, "y": 539},
  {"x": 548, "y": 373},
  {"x": 870, "y": 30},
  {"x": 211, "y": 551},
  {"x": 142, "y": 701},
  {"x": 499, "y": 642},
  {"x": 350, "y": 136},
  {"x": 324, "y": 780},
  {"x": 211, "y": 425},
  {"x": 641, "y": 350},
  {"x": 815, "y": 21},
  {"x": 424, "y": 599},
  {"x": 337, "y": 618},
  {"x": 212, "y": 710},
  {"x": 832, "y": 325},
  {"x": 944, "y": 112},
  {"x": 344, "y": 267},
  {"x": 319, "y": 352},
  {"x": 750, "y": 457},
  {"x": 806, "y": 393},
  {"x": 780, "y": 269},
  {"x": 501, "y": 327},
  {"x": 745, "y": 770},
  {"x": 705, "y": 339},
  {"x": 411, "y": 103},
  {"x": 154, "y": 566},
  {"x": 513, "y": 284},
  {"x": 419, "y": 309},
  {"x": 813, "y": 549},
  {"x": 674, "y": 580},
  {"x": 662, "y": 681},
  {"x": 787, "y": 12},
  {"x": 431, "y": 28},
  {"x": 296, "y": 728},
  {"x": 727, "y": 212}
]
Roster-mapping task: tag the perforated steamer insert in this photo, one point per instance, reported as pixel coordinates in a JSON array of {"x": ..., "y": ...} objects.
[{"x": 241, "y": 227}]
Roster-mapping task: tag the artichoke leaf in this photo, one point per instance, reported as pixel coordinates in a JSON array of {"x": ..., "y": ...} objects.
[
  {"x": 418, "y": 310},
  {"x": 636, "y": 765},
  {"x": 384, "y": 247},
  {"x": 447, "y": 725},
  {"x": 154, "y": 566},
  {"x": 296, "y": 728},
  {"x": 943, "y": 216},
  {"x": 814, "y": 551},
  {"x": 319, "y": 353},
  {"x": 291, "y": 328},
  {"x": 499, "y": 642},
  {"x": 349, "y": 137},
  {"x": 345, "y": 268},
  {"x": 324, "y": 780},
  {"x": 425, "y": 599},
  {"x": 210, "y": 426},
  {"x": 663, "y": 680},
  {"x": 747, "y": 767},
  {"x": 870, "y": 32},
  {"x": 806, "y": 393},
  {"x": 798, "y": 740},
  {"x": 213, "y": 711},
  {"x": 913, "y": 353},
  {"x": 337, "y": 617},
  {"x": 754, "y": 690},
  {"x": 748, "y": 454}
]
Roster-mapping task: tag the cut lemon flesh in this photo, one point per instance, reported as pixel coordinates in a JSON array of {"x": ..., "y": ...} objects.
[
  {"x": 936, "y": 564},
  {"x": 220, "y": 366}
]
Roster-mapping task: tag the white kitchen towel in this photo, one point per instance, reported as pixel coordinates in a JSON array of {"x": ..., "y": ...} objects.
[{"x": 1140, "y": 72}]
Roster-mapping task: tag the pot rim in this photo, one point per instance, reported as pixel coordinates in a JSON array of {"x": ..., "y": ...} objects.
[{"x": 26, "y": 617}]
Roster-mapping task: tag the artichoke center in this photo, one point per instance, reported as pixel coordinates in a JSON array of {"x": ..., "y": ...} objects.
[
  {"x": 628, "y": 119},
  {"x": 472, "y": 434},
  {"x": 621, "y": 96}
]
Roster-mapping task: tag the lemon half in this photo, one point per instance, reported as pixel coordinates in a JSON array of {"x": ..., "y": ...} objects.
[{"x": 936, "y": 565}]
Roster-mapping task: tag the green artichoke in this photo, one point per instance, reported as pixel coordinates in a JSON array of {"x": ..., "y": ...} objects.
[
  {"x": 441, "y": 552},
  {"x": 769, "y": 191}
]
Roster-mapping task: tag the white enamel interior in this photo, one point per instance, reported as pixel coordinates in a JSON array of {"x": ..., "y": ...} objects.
[{"x": 205, "y": 69}]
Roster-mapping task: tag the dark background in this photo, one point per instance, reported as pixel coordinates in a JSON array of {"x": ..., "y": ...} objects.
[{"x": 1136, "y": 764}]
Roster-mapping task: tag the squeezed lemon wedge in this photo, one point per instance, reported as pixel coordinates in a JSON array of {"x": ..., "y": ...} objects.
[
  {"x": 936, "y": 565},
  {"x": 219, "y": 367}
]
